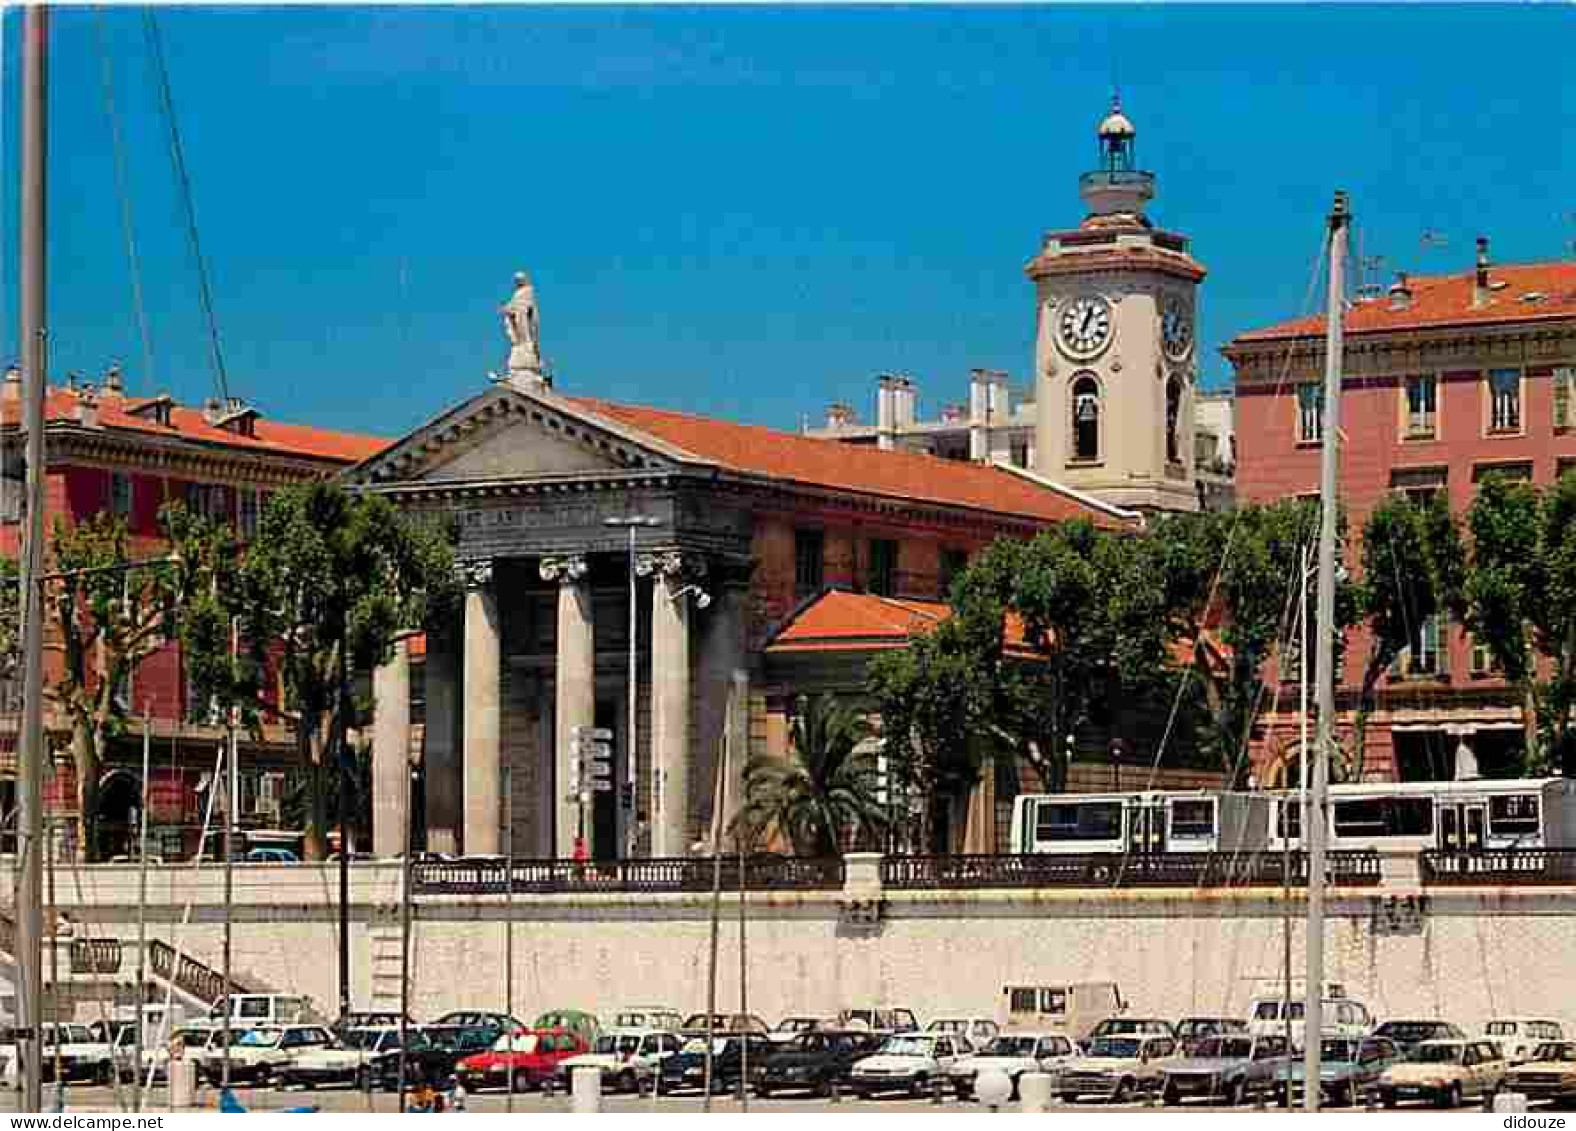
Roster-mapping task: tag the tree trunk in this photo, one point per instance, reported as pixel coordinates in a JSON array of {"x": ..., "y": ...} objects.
[
  {"x": 315, "y": 844},
  {"x": 85, "y": 757},
  {"x": 1529, "y": 722}
]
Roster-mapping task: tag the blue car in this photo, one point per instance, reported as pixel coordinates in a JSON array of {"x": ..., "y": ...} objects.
[{"x": 1349, "y": 1067}]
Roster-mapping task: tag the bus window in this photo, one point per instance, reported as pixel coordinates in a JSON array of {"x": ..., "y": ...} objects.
[
  {"x": 1022, "y": 999},
  {"x": 1090, "y": 820},
  {"x": 1384, "y": 817},
  {"x": 1192, "y": 818},
  {"x": 1513, "y": 814},
  {"x": 1053, "y": 1001}
]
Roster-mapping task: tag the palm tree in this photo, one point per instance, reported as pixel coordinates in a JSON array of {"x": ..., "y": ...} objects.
[{"x": 824, "y": 790}]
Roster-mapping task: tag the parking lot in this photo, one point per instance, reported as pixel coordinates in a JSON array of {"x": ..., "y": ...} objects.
[{"x": 345, "y": 1100}]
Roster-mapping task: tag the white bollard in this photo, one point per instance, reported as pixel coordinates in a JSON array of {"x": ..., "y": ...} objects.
[
  {"x": 1034, "y": 1092},
  {"x": 586, "y": 1084},
  {"x": 183, "y": 1083},
  {"x": 1510, "y": 1102}
]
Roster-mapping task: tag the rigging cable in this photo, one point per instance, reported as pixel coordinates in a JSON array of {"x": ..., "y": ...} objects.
[
  {"x": 122, "y": 186},
  {"x": 177, "y": 156}
]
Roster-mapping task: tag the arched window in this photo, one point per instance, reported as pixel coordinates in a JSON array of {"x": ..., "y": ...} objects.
[
  {"x": 1173, "y": 421},
  {"x": 1086, "y": 418}
]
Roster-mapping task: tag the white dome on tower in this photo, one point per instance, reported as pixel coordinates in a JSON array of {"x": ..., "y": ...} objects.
[{"x": 1117, "y": 124}]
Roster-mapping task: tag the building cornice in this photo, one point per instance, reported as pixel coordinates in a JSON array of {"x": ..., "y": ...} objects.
[{"x": 79, "y": 445}]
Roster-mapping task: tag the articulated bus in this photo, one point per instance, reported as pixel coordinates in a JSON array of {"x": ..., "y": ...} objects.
[
  {"x": 1182, "y": 821},
  {"x": 1453, "y": 816}
]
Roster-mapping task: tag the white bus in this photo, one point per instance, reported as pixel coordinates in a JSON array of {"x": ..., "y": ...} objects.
[
  {"x": 1453, "y": 816},
  {"x": 1180, "y": 821}
]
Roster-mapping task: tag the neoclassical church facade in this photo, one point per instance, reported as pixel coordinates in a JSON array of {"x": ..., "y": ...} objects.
[{"x": 673, "y": 580}]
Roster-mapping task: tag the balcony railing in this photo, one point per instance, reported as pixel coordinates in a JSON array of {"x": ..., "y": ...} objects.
[
  {"x": 1104, "y": 870},
  {"x": 667, "y": 874},
  {"x": 1498, "y": 866},
  {"x": 95, "y": 956},
  {"x": 196, "y": 978}
]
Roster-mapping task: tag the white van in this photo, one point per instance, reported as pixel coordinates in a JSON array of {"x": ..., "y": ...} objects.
[
  {"x": 1073, "y": 1008},
  {"x": 1343, "y": 1017},
  {"x": 248, "y": 1011},
  {"x": 1518, "y": 1036}
]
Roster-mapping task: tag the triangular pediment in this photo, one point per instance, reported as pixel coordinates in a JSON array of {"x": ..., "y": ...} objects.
[{"x": 508, "y": 434}]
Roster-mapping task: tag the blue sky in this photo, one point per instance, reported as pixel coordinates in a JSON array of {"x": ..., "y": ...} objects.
[{"x": 750, "y": 211}]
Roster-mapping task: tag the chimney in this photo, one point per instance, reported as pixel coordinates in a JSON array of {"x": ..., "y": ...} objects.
[
  {"x": 886, "y": 405},
  {"x": 839, "y": 415},
  {"x": 11, "y": 390},
  {"x": 210, "y": 409},
  {"x": 1401, "y": 292},
  {"x": 979, "y": 413},
  {"x": 114, "y": 385},
  {"x": 1480, "y": 282},
  {"x": 87, "y": 407},
  {"x": 954, "y": 413},
  {"x": 905, "y": 402}
]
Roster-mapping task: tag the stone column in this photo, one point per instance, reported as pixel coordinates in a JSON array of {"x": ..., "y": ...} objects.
[
  {"x": 574, "y": 694},
  {"x": 391, "y": 752},
  {"x": 671, "y": 597},
  {"x": 441, "y": 742},
  {"x": 482, "y": 782}
]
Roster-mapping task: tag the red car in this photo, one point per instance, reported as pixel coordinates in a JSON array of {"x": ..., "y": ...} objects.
[{"x": 528, "y": 1056}]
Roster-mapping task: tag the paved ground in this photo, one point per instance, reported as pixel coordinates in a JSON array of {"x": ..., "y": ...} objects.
[{"x": 342, "y": 1099}]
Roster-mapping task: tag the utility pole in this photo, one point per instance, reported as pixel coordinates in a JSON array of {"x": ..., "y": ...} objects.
[
  {"x": 630, "y": 800},
  {"x": 142, "y": 912},
  {"x": 344, "y": 826},
  {"x": 1313, "y": 993},
  {"x": 29, "y": 892}
]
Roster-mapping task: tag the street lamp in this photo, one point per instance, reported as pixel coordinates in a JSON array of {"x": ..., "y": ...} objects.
[{"x": 631, "y": 833}]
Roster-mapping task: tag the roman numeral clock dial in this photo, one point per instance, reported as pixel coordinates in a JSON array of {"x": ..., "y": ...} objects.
[{"x": 1083, "y": 326}]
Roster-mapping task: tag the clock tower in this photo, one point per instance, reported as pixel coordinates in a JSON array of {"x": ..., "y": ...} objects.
[{"x": 1115, "y": 363}]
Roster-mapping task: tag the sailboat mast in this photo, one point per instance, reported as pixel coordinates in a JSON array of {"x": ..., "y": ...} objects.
[
  {"x": 1317, "y": 827},
  {"x": 30, "y": 893}
]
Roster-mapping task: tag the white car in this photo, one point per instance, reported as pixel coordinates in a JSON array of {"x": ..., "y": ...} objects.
[
  {"x": 909, "y": 1062},
  {"x": 348, "y": 1062},
  {"x": 80, "y": 1056},
  {"x": 978, "y": 1030},
  {"x": 259, "y": 1054},
  {"x": 627, "y": 1058},
  {"x": 1517, "y": 1037},
  {"x": 1013, "y": 1054},
  {"x": 790, "y": 1027},
  {"x": 1343, "y": 1017}
]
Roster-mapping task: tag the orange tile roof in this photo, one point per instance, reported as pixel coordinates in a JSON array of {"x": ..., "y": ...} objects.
[
  {"x": 1446, "y": 300},
  {"x": 61, "y": 407},
  {"x": 826, "y": 463},
  {"x": 839, "y": 621}
]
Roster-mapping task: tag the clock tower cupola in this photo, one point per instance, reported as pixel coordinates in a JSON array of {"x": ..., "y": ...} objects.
[{"x": 1115, "y": 363}]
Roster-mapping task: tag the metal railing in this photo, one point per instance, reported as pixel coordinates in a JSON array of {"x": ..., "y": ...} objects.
[
  {"x": 95, "y": 956},
  {"x": 1509, "y": 866},
  {"x": 1103, "y": 870},
  {"x": 665, "y": 874},
  {"x": 196, "y": 978}
]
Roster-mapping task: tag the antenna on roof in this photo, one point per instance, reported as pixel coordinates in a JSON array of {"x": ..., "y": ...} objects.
[
  {"x": 1370, "y": 271},
  {"x": 1433, "y": 240}
]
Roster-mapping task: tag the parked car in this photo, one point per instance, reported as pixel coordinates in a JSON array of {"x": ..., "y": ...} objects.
[
  {"x": 1550, "y": 1074},
  {"x": 575, "y": 1020},
  {"x": 369, "y": 1019},
  {"x": 430, "y": 1056},
  {"x": 1446, "y": 1072},
  {"x": 1232, "y": 1068},
  {"x": 1342, "y": 1017},
  {"x": 251, "y": 1010},
  {"x": 258, "y": 1054},
  {"x": 271, "y": 856},
  {"x": 1132, "y": 1027},
  {"x": 197, "y": 1044},
  {"x": 879, "y": 1020},
  {"x": 1191, "y": 1030},
  {"x": 80, "y": 1054},
  {"x": 790, "y": 1027},
  {"x": 1349, "y": 1068},
  {"x": 695, "y": 1024},
  {"x": 815, "y": 1061},
  {"x": 526, "y": 1058},
  {"x": 1408, "y": 1034},
  {"x": 731, "y": 1057},
  {"x": 648, "y": 1017},
  {"x": 1012, "y": 1054},
  {"x": 1517, "y": 1037},
  {"x": 347, "y": 1061},
  {"x": 498, "y": 1023},
  {"x": 979, "y": 1030},
  {"x": 1118, "y": 1067},
  {"x": 627, "y": 1058},
  {"x": 908, "y": 1062}
]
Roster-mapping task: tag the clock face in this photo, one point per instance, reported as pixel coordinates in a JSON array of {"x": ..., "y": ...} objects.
[
  {"x": 1084, "y": 326},
  {"x": 1176, "y": 330}
]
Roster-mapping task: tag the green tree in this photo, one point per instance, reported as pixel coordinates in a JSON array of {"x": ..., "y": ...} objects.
[
  {"x": 1413, "y": 569},
  {"x": 824, "y": 791},
  {"x": 1521, "y": 605},
  {"x": 106, "y": 620},
  {"x": 322, "y": 591}
]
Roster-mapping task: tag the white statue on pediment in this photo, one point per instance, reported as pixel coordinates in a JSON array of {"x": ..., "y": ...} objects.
[{"x": 521, "y": 326}]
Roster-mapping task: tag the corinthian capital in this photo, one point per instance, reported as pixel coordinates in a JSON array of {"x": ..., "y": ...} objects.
[
  {"x": 477, "y": 574},
  {"x": 672, "y": 565},
  {"x": 566, "y": 569}
]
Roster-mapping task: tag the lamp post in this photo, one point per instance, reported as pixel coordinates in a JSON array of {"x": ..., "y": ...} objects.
[{"x": 632, "y": 830}]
